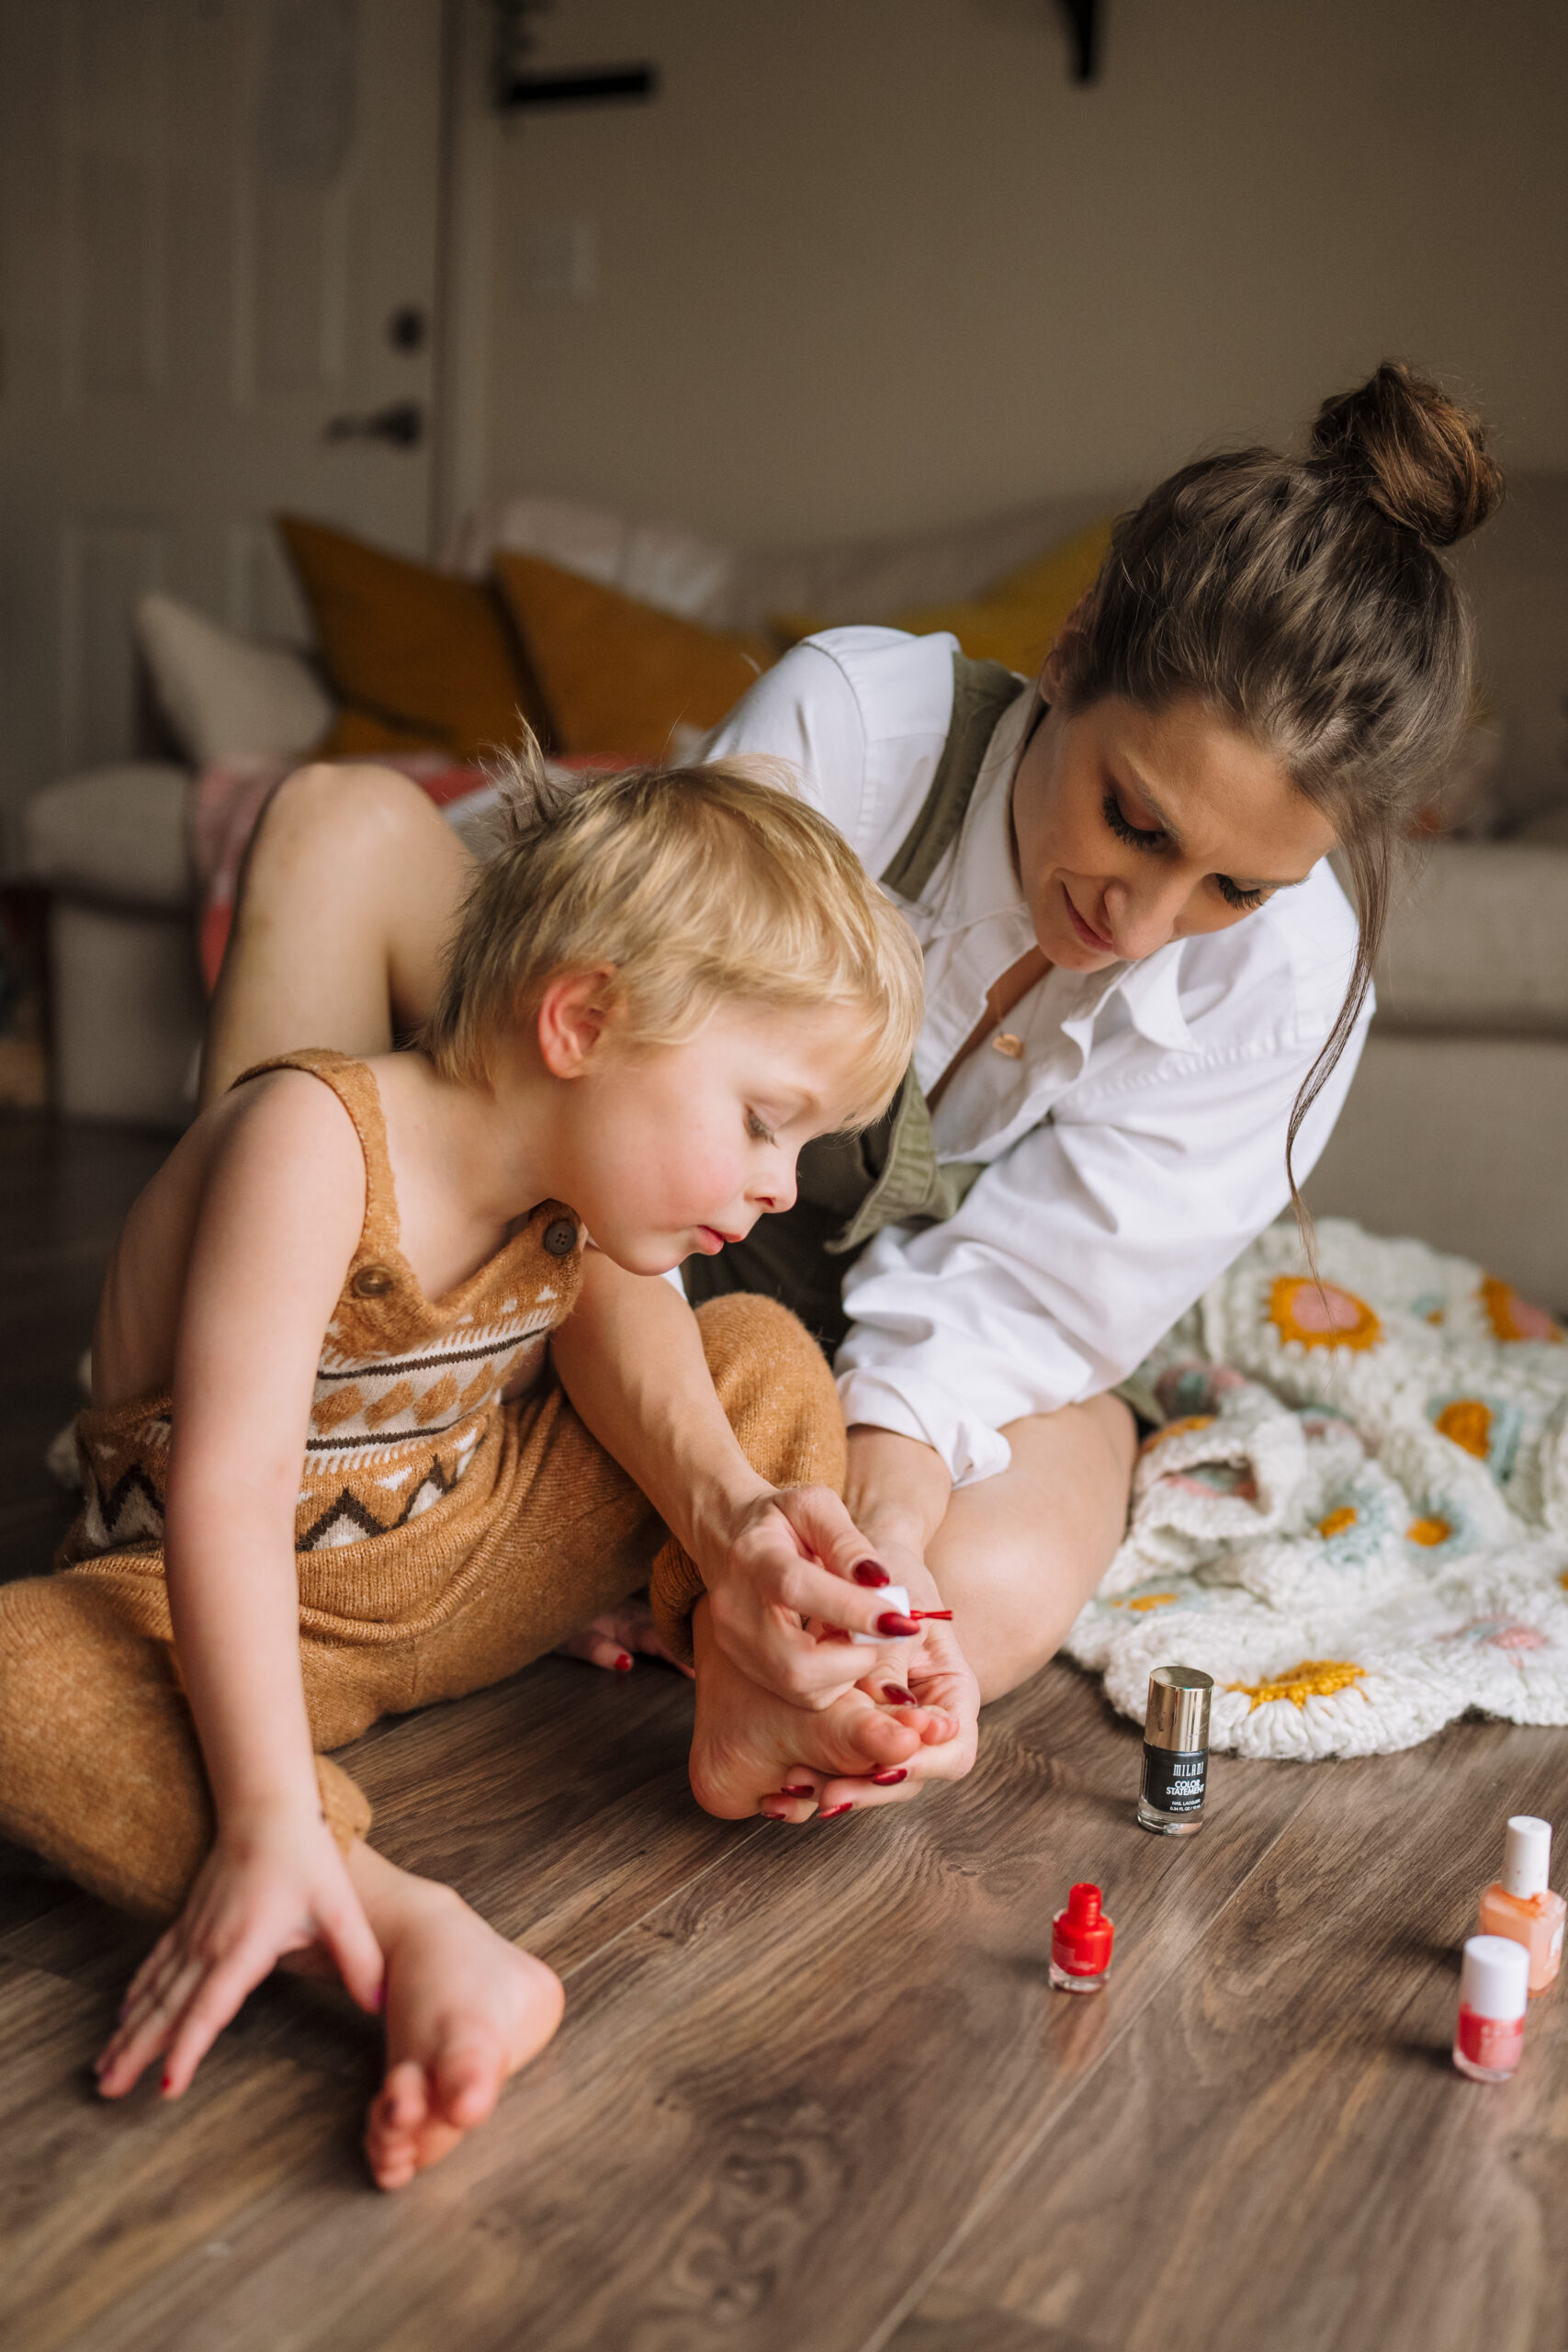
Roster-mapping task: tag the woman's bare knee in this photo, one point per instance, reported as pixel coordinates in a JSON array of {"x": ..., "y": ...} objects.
[
  {"x": 348, "y": 891},
  {"x": 1019, "y": 1554},
  {"x": 326, "y": 812}
]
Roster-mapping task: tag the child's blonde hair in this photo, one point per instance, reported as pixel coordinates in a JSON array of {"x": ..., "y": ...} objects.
[{"x": 699, "y": 886}]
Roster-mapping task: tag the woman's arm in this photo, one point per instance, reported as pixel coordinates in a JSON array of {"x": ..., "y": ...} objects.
[
  {"x": 281, "y": 1210},
  {"x": 630, "y": 1358}
]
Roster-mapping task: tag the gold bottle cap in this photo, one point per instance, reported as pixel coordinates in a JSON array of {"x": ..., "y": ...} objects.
[{"x": 1178, "y": 1711}]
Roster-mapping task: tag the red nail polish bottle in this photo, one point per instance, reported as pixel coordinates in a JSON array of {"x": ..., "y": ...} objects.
[
  {"x": 1081, "y": 1938},
  {"x": 1493, "y": 1992}
]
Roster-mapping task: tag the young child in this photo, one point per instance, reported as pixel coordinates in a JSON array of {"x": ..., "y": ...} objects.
[{"x": 328, "y": 1471}]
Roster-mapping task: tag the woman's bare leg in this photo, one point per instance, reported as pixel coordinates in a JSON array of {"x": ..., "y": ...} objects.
[
  {"x": 349, "y": 888},
  {"x": 1018, "y": 1555}
]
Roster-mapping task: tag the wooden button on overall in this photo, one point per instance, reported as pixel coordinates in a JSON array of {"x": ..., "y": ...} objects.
[
  {"x": 560, "y": 1237},
  {"x": 374, "y": 1281}
]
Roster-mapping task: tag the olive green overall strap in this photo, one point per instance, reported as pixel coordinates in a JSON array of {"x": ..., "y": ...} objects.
[
  {"x": 907, "y": 1184},
  {"x": 890, "y": 1175},
  {"x": 983, "y": 692}
]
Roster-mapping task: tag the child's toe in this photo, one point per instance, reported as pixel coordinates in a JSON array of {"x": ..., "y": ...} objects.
[{"x": 467, "y": 2082}]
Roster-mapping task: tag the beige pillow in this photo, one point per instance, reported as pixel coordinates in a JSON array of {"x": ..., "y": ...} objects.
[{"x": 226, "y": 696}]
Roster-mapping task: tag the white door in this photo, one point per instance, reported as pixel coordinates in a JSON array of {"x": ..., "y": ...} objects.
[{"x": 218, "y": 235}]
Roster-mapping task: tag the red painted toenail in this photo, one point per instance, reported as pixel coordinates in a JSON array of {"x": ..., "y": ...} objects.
[
  {"x": 897, "y": 1695},
  {"x": 870, "y": 1572},
  {"x": 889, "y": 1779},
  {"x": 805, "y": 1789},
  {"x": 848, "y": 1807},
  {"x": 623, "y": 1664},
  {"x": 895, "y": 1628}
]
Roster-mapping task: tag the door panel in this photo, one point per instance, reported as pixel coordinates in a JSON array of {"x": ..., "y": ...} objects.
[{"x": 209, "y": 212}]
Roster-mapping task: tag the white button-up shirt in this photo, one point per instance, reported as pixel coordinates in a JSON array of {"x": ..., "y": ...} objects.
[{"x": 1136, "y": 1147}]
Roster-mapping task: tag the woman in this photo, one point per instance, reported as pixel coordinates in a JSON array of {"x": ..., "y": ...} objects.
[{"x": 1145, "y": 997}]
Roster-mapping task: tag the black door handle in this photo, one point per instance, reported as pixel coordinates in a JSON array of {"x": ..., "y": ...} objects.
[{"x": 401, "y": 424}]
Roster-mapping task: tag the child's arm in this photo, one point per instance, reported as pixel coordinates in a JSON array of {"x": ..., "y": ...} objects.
[
  {"x": 631, "y": 1360},
  {"x": 281, "y": 1211}
]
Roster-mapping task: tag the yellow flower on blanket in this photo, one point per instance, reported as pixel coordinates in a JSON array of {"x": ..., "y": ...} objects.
[
  {"x": 1512, "y": 1317},
  {"x": 1321, "y": 1315},
  {"x": 1467, "y": 1422},
  {"x": 1428, "y": 1532},
  {"x": 1337, "y": 1520},
  {"x": 1177, "y": 1429},
  {"x": 1316, "y": 1677}
]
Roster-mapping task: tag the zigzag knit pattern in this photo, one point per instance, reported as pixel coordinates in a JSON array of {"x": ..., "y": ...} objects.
[{"x": 405, "y": 1393}]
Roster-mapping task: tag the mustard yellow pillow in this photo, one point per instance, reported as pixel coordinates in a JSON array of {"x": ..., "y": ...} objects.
[
  {"x": 1016, "y": 621},
  {"x": 417, "y": 658},
  {"x": 619, "y": 676}
]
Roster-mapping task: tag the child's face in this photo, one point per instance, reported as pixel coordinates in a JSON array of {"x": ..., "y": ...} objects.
[
  {"x": 1134, "y": 828},
  {"x": 672, "y": 1149}
]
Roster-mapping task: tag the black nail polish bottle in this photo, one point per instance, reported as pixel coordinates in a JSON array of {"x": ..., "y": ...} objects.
[{"x": 1176, "y": 1751}]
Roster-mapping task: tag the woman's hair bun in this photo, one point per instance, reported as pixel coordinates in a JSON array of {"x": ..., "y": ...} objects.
[{"x": 1421, "y": 457}]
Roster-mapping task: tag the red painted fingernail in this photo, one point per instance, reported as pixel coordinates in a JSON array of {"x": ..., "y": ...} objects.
[
  {"x": 870, "y": 1572},
  {"x": 769, "y": 1815},
  {"x": 805, "y": 1790},
  {"x": 623, "y": 1664},
  {"x": 168, "y": 2079},
  {"x": 946, "y": 1614},
  {"x": 889, "y": 1779},
  {"x": 848, "y": 1807},
  {"x": 896, "y": 1696},
  {"x": 894, "y": 1626}
]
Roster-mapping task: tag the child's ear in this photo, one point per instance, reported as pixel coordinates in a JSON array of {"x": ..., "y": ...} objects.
[{"x": 574, "y": 1012}]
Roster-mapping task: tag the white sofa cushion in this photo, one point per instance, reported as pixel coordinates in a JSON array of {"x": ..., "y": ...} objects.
[
  {"x": 1480, "y": 942},
  {"x": 225, "y": 695},
  {"x": 727, "y": 586},
  {"x": 116, "y": 834}
]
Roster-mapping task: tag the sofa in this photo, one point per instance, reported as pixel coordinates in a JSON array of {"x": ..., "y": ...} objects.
[{"x": 1457, "y": 1126}]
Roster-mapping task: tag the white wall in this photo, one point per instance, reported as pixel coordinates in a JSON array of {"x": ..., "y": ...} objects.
[{"x": 866, "y": 263}]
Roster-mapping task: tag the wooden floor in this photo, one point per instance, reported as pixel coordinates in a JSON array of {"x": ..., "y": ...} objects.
[{"x": 813, "y": 2093}]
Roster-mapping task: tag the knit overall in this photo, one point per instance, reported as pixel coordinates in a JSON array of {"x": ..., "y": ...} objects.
[{"x": 446, "y": 1533}]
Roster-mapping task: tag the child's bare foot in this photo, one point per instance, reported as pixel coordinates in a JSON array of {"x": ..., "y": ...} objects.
[
  {"x": 745, "y": 1739},
  {"x": 464, "y": 2009},
  {"x": 614, "y": 1640}
]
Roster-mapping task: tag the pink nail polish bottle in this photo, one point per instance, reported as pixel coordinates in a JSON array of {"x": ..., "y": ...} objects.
[
  {"x": 1081, "y": 1938},
  {"x": 1519, "y": 1903},
  {"x": 1490, "y": 2034}
]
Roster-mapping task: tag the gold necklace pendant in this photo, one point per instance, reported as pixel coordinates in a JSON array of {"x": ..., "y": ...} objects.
[{"x": 1006, "y": 1043}]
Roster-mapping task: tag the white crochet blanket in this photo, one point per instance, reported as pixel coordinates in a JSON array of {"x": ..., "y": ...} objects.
[{"x": 1355, "y": 1515}]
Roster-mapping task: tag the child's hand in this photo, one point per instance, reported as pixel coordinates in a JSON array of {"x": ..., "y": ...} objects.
[
  {"x": 797, "y": 1556},
  {"x": 277, "y": 1886}
]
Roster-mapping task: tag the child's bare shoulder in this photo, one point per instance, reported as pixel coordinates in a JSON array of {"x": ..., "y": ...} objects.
[{"x": 274, "y": 1167}]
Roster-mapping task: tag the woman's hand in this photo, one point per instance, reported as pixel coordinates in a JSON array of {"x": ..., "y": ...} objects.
[
  {"x": 788, "y": 1578},
  {"x": 936, "y": 1694},
  {"x": 275, "y": 1885}
]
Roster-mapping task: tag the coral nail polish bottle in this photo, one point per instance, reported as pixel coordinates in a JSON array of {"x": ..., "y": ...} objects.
[
  {"x": 1490, "y": 2034},
  {"x": 1081, "y": 1938},
  {"x": 1520, "y": 1904}
]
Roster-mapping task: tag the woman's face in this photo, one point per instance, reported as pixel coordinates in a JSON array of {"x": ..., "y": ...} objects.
[{"x": 1134, "y": 828}]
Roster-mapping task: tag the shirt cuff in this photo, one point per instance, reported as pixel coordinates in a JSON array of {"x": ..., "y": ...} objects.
[{"x": 916, "y": 1407}]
